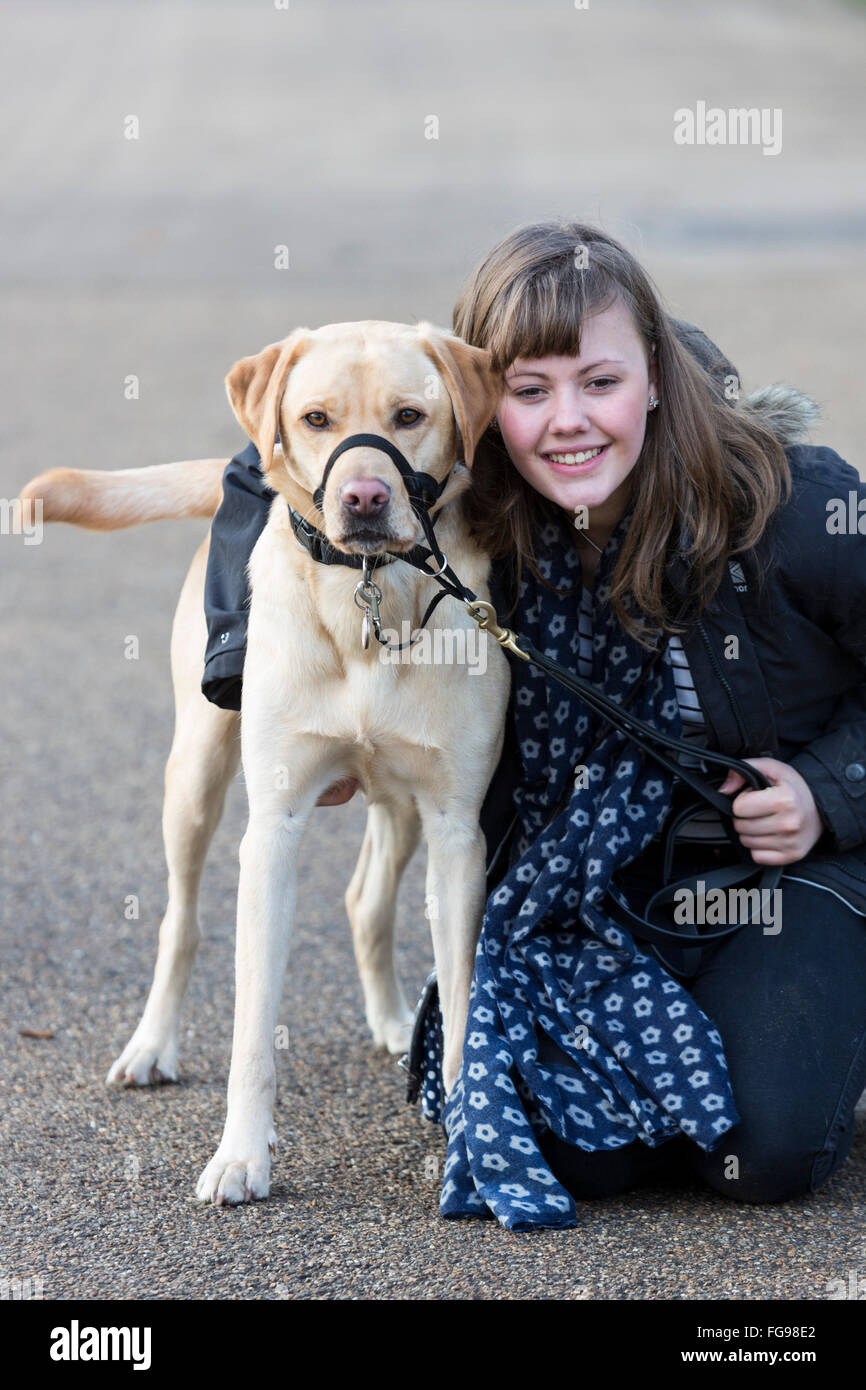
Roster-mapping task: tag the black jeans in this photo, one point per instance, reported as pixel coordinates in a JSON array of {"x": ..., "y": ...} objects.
[{"x": 791, "y": 1010}]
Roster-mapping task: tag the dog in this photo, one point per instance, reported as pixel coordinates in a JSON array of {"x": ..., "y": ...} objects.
[{"x": 422, "y": 741}]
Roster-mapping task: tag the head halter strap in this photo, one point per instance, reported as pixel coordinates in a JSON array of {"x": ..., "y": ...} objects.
[{"x": 423, "y": 490}]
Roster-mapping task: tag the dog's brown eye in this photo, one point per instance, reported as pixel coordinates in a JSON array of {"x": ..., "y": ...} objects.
[
  {"x": 415, "y": 416},
  {"x": 317, "y": 418}
]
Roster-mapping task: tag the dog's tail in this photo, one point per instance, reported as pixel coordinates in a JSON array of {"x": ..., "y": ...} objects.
[{"x": 108, "y": 501}]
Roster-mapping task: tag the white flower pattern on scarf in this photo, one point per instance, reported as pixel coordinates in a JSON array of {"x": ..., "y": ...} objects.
[{"x": 644, "y": 1061}]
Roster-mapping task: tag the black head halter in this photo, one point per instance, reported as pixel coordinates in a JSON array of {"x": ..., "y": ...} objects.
[{"x": 423, "y": 490}]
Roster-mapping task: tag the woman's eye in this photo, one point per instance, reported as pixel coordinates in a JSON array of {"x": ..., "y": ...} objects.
[
  {"x": 317, "y": 418},
  {"x": 603, "y": 381},
  {"x": 527, "y": 393},
  {"x": 408, "y": 416}
]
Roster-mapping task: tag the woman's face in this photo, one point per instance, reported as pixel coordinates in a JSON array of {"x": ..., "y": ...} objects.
[{"x": 574, "y": 426}]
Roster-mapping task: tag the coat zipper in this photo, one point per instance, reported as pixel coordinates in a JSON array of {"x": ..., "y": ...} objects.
[{"x": 724, "y": 683}]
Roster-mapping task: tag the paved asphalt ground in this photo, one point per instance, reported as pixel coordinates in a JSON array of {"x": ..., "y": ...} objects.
[{"x": 155, "y": 257}]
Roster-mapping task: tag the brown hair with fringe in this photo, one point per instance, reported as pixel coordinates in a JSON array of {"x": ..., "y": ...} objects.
[{"x": 709, "y": 470}]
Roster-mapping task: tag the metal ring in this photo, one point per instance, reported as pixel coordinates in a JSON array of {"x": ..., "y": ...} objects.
[
  {"x": 369, "y": 591},
  {"x": 443, "y": 566}
]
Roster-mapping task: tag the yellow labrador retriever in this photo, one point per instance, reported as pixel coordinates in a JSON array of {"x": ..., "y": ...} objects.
[{"x": 421, "y": 739}]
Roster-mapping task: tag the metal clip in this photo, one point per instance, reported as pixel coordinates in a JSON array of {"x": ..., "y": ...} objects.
[
  {"x": 367, "y": 595},
  {"x": 485, "y": 616}
]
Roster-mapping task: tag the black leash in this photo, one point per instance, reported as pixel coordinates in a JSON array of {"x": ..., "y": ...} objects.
[
  {"x": 659, "y": 934},
  {"x": 424, "y": 491}
]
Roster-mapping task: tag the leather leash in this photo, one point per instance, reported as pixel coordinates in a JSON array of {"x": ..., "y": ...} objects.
[{"x": 423, "y": 492}]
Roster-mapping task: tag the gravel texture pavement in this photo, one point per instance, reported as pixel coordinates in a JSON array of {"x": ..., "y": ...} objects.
[{"x": 155, "y": 258}]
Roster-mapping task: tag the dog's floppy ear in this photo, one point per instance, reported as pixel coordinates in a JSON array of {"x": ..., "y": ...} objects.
[
  {"x": 255, "y": 388},
  {"x": 472, "y": 384}
]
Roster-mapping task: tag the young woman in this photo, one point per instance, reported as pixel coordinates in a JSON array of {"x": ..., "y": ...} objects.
[{"x": 651, "y": 533}]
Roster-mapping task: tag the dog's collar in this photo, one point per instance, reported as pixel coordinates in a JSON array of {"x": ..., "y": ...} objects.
[{"x": 324, "y": 553}]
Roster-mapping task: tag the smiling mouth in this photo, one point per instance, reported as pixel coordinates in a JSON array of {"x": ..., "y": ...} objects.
[{"x": 576, "y": 457}]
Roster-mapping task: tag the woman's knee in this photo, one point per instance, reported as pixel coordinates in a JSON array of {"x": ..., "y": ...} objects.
[{"x": 768, "y": 1169}]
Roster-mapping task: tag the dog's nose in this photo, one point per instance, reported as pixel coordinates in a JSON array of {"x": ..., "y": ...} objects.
[{"x": 365, "y": 496}]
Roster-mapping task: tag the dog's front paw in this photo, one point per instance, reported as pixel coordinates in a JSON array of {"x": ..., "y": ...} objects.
[
  {"x": 145, "y": 1061},
  {"x": 229, "y": 1179}
]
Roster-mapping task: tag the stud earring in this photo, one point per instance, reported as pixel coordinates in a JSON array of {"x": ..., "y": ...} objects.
[
  {"x": 652, "y": 403},
  {"x": 494, "y": 424}
]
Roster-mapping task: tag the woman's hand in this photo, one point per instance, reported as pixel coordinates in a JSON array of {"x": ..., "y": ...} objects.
[
  {"x": 780, "y": 824},
  {"x": 338, "y": 792}
]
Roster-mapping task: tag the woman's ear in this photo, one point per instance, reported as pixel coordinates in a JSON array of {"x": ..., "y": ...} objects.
[
  {"x": 654, "y": 373},
  {"x": 255, "y": 387},
  {"x": 472, "y": 384},
  {"x": 653, "y": 386}
]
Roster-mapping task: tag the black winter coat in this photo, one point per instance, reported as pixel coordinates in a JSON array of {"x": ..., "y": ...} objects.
[{"x": 797, "y": 689}]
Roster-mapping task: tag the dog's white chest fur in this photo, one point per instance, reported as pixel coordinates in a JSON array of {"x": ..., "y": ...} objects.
[{"x": 307, "y": 676}]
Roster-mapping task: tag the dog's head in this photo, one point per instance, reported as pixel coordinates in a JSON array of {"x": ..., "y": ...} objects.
[{"x": 428, "y": 392}]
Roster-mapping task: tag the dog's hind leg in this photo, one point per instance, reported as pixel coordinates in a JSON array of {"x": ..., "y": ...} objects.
[
  {"x": 390, "y": 838},
  {"x": 204, "y": 757}
]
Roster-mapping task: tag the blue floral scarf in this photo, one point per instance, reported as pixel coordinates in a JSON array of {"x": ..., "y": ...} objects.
[{"x": 644, "y": 1061}]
